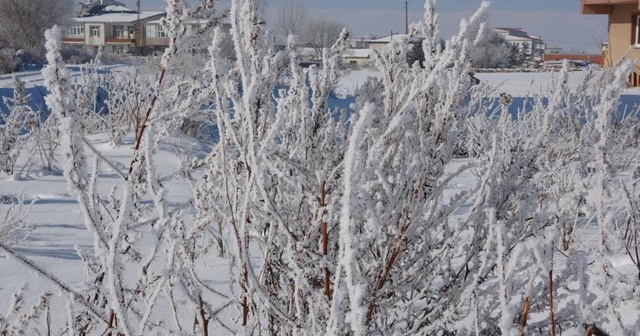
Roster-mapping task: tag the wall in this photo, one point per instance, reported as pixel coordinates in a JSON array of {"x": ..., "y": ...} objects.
[
  {"x": 591, "y": 58},
  {"x": 360, "y": 62},
  {"x": 94, "y": 40},
  {"x": 379, "y": 46},
  {"x": 621, "y": 34}
]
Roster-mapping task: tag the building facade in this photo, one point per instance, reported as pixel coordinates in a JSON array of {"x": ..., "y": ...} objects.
[
  {"x": 624, "y": 33},
  {"x": 624, "y": 37},
  {"x": 113, "y": 28}
]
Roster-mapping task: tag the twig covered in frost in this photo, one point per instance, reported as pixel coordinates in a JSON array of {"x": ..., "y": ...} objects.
[
  {"x": 52, "y": 278},
  {"x": 14, "y": 225}
]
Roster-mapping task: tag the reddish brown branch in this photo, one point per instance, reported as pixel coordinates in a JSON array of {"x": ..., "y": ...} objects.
[
  {"x": 551, "y": 313},
  {"x": 325, "y": 241},
  {"x": 203, "y": 319},
  {"x": 525, "y": 314},
  {"x": 143, "y": 127},
  {"x": 397, "y": 250},
  {"x": 593, "y": 330}
]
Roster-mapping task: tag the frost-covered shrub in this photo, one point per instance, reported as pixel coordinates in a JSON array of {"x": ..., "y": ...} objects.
[
  {"x": 16, "y": 126},
  {"x": 72, "y": 55},
  {"x": 20, "y": 319},
  {"x": 14, "y": 221},
  {"x": 44, "y": 142},
  {"x": 129, "y": 94},
  {"x": 347, "y": 222},
  {"x": 9, "y": 62}
]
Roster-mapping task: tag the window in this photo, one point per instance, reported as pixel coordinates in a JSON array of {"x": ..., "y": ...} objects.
[
  {"x": 156, "y": 31},
  {"x": 95, "y": 30},
  {"x": 635, "y": 32},
  {"x": 118, "y": 31},
  {"x": 77, "y": 30},
  {"x": 161, "y": 32},
  {"x": 131, "y": 31}
]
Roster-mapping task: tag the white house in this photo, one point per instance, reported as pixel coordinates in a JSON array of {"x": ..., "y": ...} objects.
[
  {"x": 533, "y": 45},
  {"x": 357, "y": 58},
  {"x": 156, "y": 38},
  {"x": 115, "y": 28}
]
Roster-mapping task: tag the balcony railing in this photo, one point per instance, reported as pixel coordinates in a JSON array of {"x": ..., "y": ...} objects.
[
  {"x": 73, "y": 39},
  {"x": 634, "y": 78},
  {"x": 157, "y": 41}
]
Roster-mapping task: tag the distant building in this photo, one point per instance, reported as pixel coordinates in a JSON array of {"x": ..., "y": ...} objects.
[
  {"x": 383, "y": 43},
  {"x": 534, "y": 46},
  {"x": 156, "y": 38},
  {"x": 361, "y": 43},
  {"x": 357, "y": 58},
  {"x": 118, "y": 29}
]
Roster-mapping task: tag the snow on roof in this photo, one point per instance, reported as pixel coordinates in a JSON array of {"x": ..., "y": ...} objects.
[
  {"x": 357, "y": 53},
  {"x": 390, "y": 38},
  {"x": 397, "y": 37},
  {"x": 115, "y": 8},
  {"x": 119, "y": 17},
  {"x": 518, "y": 39}
]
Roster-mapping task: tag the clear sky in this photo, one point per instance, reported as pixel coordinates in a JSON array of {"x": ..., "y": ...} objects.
[{"x": 558, "y": 22}]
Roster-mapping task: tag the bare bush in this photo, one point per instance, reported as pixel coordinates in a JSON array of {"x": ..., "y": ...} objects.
[
  {"x": 341, "y": 222},
  {"x": 292, "y": 15},
  {"x": 8, "y": 61},
  {"x": 14, "y": 222},
  {"x": 320, "y": 34},
  {"x": 23, "y": 22}
]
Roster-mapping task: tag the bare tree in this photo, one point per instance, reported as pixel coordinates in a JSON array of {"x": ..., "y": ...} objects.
[
  {"x": 493, "y": 52},
  {"x": 291, "y": 17},
  {"x": 23, "y": 22},
  {"x": 319, "y": 34}
]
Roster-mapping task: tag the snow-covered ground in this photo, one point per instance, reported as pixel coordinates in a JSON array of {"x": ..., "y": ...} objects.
[
  {"x": 34, "y": 77},
  {"x": 517, "y": 84}
]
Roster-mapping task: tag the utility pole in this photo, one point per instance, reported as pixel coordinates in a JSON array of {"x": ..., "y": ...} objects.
[
  {"x": 406, "y": 16},
  {"x": 138, "y": 29}
]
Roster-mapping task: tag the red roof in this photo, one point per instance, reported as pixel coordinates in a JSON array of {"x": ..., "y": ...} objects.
[{"x": 512, "y": 30}]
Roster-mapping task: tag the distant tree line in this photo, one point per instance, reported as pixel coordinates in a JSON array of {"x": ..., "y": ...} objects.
[
  {"x": 494, "y": 52},
  {"x": 294, "y": 19},
  {"x": 22, "y": 27}
]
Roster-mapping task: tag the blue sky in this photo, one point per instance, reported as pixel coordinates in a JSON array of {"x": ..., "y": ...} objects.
[{"x": 558, "y": 22}]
